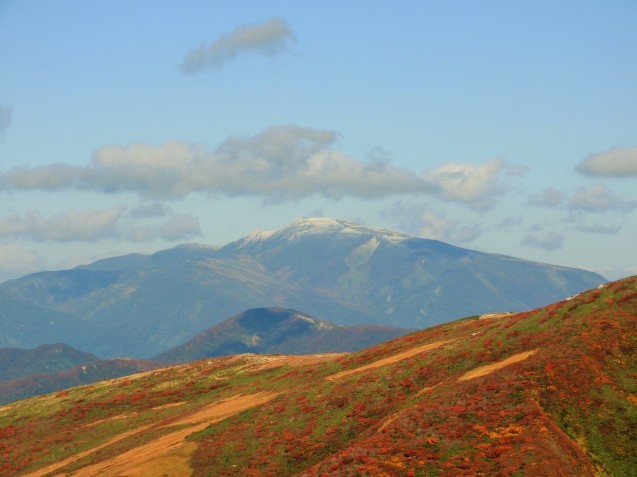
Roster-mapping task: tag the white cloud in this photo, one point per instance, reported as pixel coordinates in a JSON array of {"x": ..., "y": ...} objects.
[
  {"x": 282, "y": 163},
  {"x": 268, "y": 38},
  {"x": 598, "y": 198},
  {"x": 615, "y": 162},
  {"x": 473, "y": 185},
  {"x": 549, "y": 242}
]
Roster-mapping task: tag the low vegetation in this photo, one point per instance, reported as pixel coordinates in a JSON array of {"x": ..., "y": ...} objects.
[{"x": 547, "y": 392}]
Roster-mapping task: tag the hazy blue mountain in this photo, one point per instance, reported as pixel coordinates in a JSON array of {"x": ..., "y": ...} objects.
[
  {"x": 17, "y": 362},
  {"x": 44, "y": 383},
  {"x": 278, "y": 331},
  {"x": 25, "y": 324},
  {"x": 338, "y": 271}
]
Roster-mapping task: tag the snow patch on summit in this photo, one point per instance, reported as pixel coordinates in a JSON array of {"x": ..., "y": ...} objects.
[
  {"x": 258, "y": 235},
  {"x": 322, "y": 225}
]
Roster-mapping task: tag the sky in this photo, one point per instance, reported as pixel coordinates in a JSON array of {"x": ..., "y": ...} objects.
[{"x": 499, "y": 126}]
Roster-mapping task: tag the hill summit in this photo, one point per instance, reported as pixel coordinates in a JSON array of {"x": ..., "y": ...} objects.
[{"x": 278, "y": 330}]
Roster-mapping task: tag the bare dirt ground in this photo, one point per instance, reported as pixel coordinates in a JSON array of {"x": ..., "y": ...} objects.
[
  {"x": 474, "y": 373},
  {"x": 491, "y": 316},
  {"x": 490, "y": 368},
  {"x": 258, "y": 362},
  {"x": 392, "y": 359},
  {"x": 166, "y": 455}
]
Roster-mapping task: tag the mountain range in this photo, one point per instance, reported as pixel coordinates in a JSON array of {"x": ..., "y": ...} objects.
[
  {"x": 49, "y": 368},
  {"x": 544, "y": 392},
  {"x": 142, "y": 305}
]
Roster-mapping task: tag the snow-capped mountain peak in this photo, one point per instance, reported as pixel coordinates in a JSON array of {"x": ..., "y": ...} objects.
[{"x": 312, "y": 226}]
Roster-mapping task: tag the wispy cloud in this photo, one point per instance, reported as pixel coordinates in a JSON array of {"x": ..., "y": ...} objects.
[
  {"x": 549, "y": 242},
  {"x": 595, "y": 198},
  {"x": 268, "y": 38},
  {"x": 421, "y": 221},
  {"x": 509, "y": 222},
  {"x": 63, "y": 227},
  {"x": 16, "y": 260},
  {"x": 154, "y": 209},
  {"x": 282, "y": 163},
  {"x": 95, "y": 225},
  {"x": 615, "y": 162},
  {"x": 177, "y": 227},
  {"x": 599, "y": 229},
  {"x": 549, "y": 197},
  {"x": 599, "y": 198}
]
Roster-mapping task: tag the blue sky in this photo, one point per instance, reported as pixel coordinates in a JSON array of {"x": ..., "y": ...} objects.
[{"x": 506, "y": 127}]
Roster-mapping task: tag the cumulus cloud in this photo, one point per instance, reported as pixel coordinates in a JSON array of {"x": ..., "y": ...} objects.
[
  {"x": 549, "y": 242},
  {"x": 616, "y": 162},
  {"x": 473, "y": 185},
  {"x": 598, "y": 198},
  {"x": 278, "y": 164},
  {"x": 95, "y": 225},
  {"x": 281, "y": 163},
  {"x": 549, "y": 197},
  {"x": 268, "y": 38},
  {"x": 5, "y": 118}
]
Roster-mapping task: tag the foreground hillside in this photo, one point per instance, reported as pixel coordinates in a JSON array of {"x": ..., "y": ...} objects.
[
  {"x": 139, "y": 306},
  {"x": 547, "y": 392}
]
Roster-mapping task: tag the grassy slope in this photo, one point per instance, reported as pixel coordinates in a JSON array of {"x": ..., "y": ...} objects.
[{"x": 569, "y": 408}]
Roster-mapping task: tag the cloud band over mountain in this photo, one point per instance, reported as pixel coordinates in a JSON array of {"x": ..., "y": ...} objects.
[{"x": 280, "y": 163}]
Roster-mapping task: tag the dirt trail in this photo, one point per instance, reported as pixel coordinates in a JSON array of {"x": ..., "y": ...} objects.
[
  {"x": 474, "y": 373},
  {"x": 392, "y": 359},
  {"x": 490, "y": 368},
  {"x": 166, "y": 455}
]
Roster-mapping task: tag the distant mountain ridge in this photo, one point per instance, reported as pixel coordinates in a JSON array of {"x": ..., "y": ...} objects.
[
  {"x": 278, "y": 330},
  {"x": 16, "y": 363},
  {"x": 91, "y": 372},
  {"x": 334, "y": 270},
  {"x": 49, "y": 368}
]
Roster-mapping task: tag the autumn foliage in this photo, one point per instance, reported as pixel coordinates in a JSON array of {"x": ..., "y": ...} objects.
[{"x": 568, "y": 409}]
